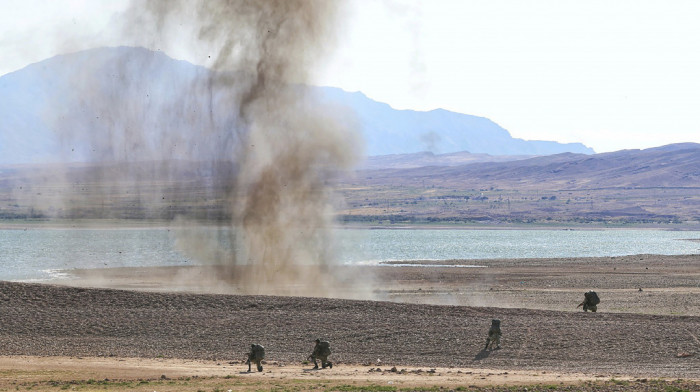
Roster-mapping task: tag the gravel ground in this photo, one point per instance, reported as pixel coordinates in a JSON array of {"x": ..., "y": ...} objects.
[
  {"x": 643, "y": 284},
  {"x": 46, "y": 320}
]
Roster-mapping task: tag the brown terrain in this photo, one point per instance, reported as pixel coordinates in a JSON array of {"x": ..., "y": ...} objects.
[
  {"x": 654, "y": 186},
  {"x": 430, "y": 334},
  {"x": 658, "y": 187}
]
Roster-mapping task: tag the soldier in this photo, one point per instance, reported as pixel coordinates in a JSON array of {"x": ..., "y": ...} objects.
[
  {"x": 322, "y": 350},
  {"x": 256, "y": 354},
  {"x": 494, "y": 334},
  {"x": 590, "y": 300}
]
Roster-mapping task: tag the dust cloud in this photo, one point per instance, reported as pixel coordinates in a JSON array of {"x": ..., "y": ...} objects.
[{"x": 246, "y": 132}]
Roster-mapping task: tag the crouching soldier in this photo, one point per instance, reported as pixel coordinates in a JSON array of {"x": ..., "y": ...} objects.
[
  {"x": 590, "y": 301},
  {"x": 256, "y": 355},
  {"x": 494, "y": 335},
  {"x": 322, "y": 350}
]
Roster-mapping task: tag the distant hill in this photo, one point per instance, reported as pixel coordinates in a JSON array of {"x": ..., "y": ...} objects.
[
  {"x": 656, "y": 186},
  {"x": 390, "y": 131},
  {"x": 152, "y": 95},
  {"x": 426, "y": 158},
  {"x": 674, "y": 165},
  {"x": 105, "y": 96}
]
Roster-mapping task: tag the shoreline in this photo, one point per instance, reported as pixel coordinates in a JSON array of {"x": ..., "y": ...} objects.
[
  {"x": 640, "y": 284},
  {"x": 97, "y": 224}
]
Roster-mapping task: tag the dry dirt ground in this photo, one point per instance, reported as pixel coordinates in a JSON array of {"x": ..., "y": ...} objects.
[{"x": 68, "y": 337}]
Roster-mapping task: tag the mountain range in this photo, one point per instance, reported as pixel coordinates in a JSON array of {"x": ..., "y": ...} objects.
[
  {"x": 673, "y": 165},
  {"x": 151, "y": 93},
  {"x": 653, "y": 186}
]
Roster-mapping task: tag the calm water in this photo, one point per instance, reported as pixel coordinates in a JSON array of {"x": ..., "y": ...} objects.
[{"x": 43, "y": 253}]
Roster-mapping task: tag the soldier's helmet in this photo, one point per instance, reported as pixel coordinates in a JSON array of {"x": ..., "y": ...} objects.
[
  {"x": 317, "y": 340},
  {"x": 496, "y": 323}
]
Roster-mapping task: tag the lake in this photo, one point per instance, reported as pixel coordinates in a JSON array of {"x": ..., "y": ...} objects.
[{"x": 41, "y": 254}]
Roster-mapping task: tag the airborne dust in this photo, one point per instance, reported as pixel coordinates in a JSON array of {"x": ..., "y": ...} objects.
[{"x": 267, "y": 145}]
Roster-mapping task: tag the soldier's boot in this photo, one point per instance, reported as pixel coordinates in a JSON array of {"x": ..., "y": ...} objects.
[
  {"x": 330, "y": 365},
  {"x": 260, "y": 368},
  {"x": 248, "y": 366},
  {"x": 315, "y": 364}
]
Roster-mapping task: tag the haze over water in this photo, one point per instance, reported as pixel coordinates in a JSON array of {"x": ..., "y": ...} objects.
[{"x": 45, "y": 254}]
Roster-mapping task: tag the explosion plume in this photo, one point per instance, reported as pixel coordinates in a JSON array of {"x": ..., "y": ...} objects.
[{"x": 270, "y": 142}]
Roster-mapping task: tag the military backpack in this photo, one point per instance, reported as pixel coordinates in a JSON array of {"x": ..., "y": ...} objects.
[
  {"x": 257, "y": 352},
  {"x": 592, "y": 298}
]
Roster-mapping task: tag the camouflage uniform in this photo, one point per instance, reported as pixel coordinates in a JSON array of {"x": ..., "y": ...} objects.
[
  {"x": 494, "y": 334},
  {"x": 256, "y": 355},
  {"x": 322, "y": 350},
  {"x": 590, "y": 301}
]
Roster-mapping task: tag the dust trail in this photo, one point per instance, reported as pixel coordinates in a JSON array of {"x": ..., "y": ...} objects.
[{"x": 267, "y": 146}]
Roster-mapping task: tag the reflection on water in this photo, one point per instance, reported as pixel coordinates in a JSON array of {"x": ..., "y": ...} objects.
[{"x": 43, "y": 253}]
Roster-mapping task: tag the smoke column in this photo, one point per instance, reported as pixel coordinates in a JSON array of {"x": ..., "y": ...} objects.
[{"x": 262, "y": 133}]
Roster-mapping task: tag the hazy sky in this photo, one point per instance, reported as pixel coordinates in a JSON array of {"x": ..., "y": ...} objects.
[{"x": 609, "y": 74}]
